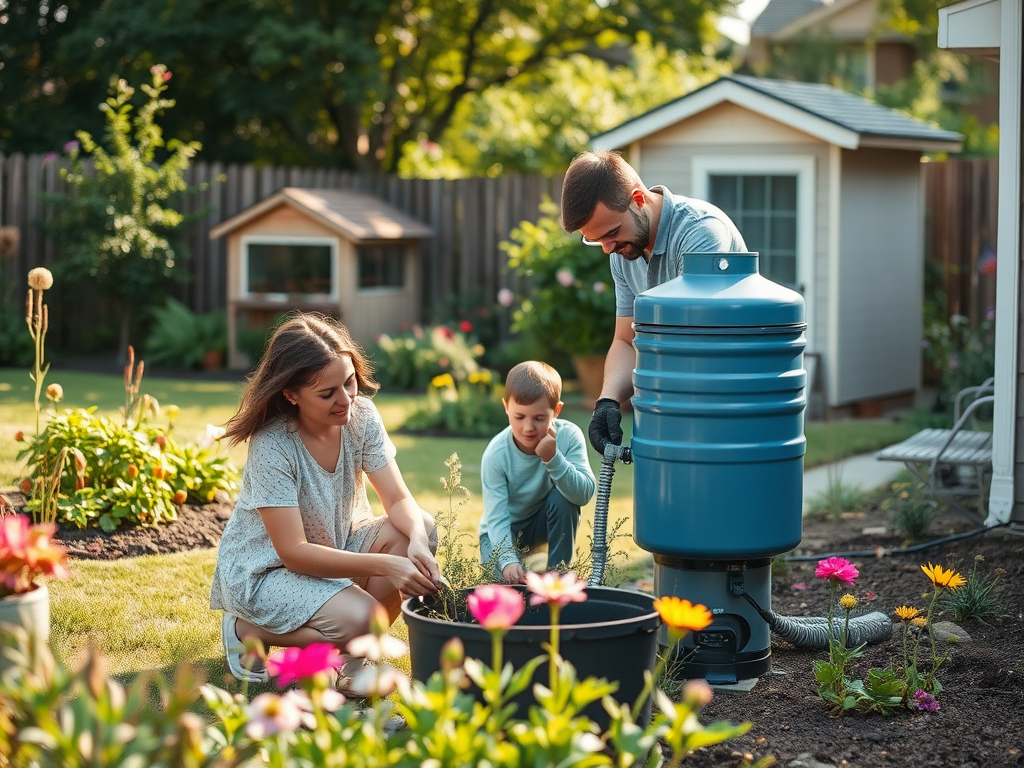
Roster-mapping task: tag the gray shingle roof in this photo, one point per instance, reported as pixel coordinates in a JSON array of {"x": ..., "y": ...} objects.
[
  {"x": 778, "y": 13},
  {"x": 853, "y": 112}
]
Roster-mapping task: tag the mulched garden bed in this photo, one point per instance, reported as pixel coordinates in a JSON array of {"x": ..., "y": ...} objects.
[{"x": 981, "y": 720}]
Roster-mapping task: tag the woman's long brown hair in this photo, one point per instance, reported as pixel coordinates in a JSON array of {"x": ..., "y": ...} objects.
[{"x": 297, "y": 353}]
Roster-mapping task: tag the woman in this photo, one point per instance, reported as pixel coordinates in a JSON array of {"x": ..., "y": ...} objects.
[{"x": 303, "y": 559}]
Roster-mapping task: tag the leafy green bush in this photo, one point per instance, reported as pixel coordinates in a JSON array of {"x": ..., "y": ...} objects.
[
  {"x": 571, "y": 301},
  {"x": 179, "y": 336},
  {"x": 122, "y": 473},
  {"x": 470, "y": 406},
  {"x": 412, "y": 360},
  {"x": 912, "y": 511},
  {"x": 965, "y": 356}
]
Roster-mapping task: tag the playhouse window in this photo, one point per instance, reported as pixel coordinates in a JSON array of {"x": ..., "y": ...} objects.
[
  {"x": 764, "y": 207},
  {"x": 381, "y": 265},
  {"x": 289, "y": 268}
]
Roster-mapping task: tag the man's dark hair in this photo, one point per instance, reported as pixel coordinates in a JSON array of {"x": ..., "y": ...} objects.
[{"x": 592, "y": 178}]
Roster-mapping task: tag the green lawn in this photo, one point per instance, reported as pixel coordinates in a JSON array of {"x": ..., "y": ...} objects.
[{"x": 148, "y": 612}]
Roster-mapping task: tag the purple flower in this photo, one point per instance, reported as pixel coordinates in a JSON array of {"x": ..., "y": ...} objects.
[
  {"x": 49, "y": 157},
  {"x": 71, "y": 146},
  {"x": 990, "y": 313},
  {"x": 953, "y": 361},
  {"x": 926, "y": 702}
]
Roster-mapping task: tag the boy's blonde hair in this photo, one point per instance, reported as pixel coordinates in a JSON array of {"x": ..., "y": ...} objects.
[{"x": 528, "y": 382}]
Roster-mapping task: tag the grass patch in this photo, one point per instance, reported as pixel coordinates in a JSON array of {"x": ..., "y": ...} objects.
[{"x": 151, "y": 612}]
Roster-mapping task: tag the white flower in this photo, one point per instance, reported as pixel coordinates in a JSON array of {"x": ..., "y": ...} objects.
[
  {"x": 506, "y": 298},
  {"x": 213, "y": 434},
  {"x": 40, "y": 279},
  {"x": 956, "y": 320},
  {"x": 380, "y": 680},
  {"x": 376, "y": 648},
  {"x": 270, "y": 714}
]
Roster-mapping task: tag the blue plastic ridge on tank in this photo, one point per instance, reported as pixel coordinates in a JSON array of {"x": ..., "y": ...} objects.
[{"x": 718, "y": 438}]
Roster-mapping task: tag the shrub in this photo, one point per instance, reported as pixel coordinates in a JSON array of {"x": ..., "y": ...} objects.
[
  {"x": 412, "y": 360},
  {"x": 123, "y": 473},
  {"x": 570, "y": 306},
  {"x": 179, "y": 337},
  {"x": 467, "y": 407},
  {"x": 965, "y": 356}
]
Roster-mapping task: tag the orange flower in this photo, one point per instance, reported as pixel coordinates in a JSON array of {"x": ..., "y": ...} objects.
[
  {"x": 26, "y": 486},
  {"x": 132, "y": 472},
  {"x": 906, "y": 613},
  {"x": 159, "y": 472},
  {"x": 919, "y": 621},
  {"x": 179, "y": 497},
  {"x": 682, "y": 614},
  {"x": 19, "y": 436},
  {"x": 941, "y": 577}
]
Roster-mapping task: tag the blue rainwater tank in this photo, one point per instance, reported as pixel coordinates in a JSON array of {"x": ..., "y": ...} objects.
[{"x": 718, "y": 439}]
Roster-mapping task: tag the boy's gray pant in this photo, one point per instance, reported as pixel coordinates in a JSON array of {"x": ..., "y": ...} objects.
[{"x": 554, "y": 524}]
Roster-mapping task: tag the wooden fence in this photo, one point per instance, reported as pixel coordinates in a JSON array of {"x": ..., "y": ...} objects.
[
  {"x": 960, "y": 224},
  {"x": 462, "y": 265}
]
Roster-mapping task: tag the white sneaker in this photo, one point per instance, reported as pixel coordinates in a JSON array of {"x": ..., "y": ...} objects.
[{"x": 234, "y": 651}]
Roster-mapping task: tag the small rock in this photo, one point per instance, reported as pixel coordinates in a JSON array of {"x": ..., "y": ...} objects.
[
  {"x": 806, "y": 760},
  {"x": 873, "y": 736},
  {"x": 947, "y": 631},
  {"x": 875, "y": 530}
]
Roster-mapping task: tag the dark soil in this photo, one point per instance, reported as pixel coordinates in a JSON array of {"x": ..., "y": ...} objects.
[{"x": 981, "y": 720}]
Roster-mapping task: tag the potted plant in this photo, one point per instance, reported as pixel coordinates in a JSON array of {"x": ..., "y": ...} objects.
[
  {"x": 27, "y": 555},
  {"x": 183, "y": 339},
  {"x": 568, "y": 304}
]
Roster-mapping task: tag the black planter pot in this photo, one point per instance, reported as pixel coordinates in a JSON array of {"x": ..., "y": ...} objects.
[{"x": 612, "y": 635}]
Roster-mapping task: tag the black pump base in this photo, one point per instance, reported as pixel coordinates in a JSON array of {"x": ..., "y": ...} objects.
[{"x": 720, "y": 668}]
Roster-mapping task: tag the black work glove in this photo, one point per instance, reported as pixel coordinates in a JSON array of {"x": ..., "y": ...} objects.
[{"x": 605, "y": 424}]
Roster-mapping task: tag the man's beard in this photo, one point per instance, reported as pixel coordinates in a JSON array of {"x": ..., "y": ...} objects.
[{"x": 631, "y": 250}]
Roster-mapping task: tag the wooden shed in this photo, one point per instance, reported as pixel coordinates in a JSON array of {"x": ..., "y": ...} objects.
[
  {"x": 827, "y": 187},
  {"x": 340, "y": 252}
]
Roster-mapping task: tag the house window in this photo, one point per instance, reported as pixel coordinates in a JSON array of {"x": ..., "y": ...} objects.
[
  {"x": 288, "y": 268},
  {"x": 381, "y": 265},
  {"x": 764, "y": 207}
]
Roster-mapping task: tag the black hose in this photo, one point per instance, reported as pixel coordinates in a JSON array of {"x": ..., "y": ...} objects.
[
  {"x": 599, "y": 545},
  {"x": 897, "y": 550}
]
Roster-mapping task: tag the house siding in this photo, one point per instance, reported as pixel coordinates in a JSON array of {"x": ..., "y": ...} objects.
[
  {"x": 1017, "y": 513},
  {"x": 880, "y": 267}
]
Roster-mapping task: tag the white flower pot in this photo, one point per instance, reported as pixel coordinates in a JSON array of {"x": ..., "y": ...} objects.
[{"x": 29, "y": 612}]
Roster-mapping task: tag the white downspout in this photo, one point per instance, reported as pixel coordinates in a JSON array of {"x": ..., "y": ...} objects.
[{"x": 1005, "y": 424}]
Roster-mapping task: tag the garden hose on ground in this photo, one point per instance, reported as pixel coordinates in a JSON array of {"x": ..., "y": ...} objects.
[{"x": 604, "y": 491}]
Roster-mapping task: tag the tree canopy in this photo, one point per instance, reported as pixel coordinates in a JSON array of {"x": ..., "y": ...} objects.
[{"x": 309, "y": 82}]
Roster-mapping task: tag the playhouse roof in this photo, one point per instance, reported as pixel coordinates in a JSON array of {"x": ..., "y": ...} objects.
[
  {"x": 356, "y": 216},
  {"x": 779, "y": 13},
  {"x": 820, "y": 110}
]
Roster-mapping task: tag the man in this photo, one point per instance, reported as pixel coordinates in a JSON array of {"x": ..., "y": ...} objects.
[{"x": 646, "y": 232}]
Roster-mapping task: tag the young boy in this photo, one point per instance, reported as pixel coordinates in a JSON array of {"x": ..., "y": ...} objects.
[{"x": 535, "y": 474}]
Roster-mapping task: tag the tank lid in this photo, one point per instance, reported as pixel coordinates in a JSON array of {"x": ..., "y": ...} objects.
[{"x": 719, "y": 290}]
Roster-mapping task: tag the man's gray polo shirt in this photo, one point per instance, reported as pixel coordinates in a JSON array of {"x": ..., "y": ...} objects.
[{"x": 687, "y": 225}]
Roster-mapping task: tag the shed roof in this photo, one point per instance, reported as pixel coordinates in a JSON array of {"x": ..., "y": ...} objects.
[
  {"x": 820, "y": 110},
  {"x": 356, "y": 216},
  {"x": 779, "y": 13}
]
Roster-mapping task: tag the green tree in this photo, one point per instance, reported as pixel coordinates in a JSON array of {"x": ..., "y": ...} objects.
[
  {"x": 343, "y": 85},
  {"x": 540, "y": 122},
  {"x": 118, "y": 229}
]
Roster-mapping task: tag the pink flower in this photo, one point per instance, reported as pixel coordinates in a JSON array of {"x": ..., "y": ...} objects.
[
  {"x": 799, "y": 586},
  {"x": 506, "y": 298},
  {"x": 926, "y": 702},
  {"x": 289, "y": 664},
  {"x": 71, "y": 146},
  {"x": 465, "y": 326},
  {"x": 838, "y": 568},
  {"x": 270, "y": 713},
  {"x": 565, "y": 277},
  {"x": 26, "y": 553},
  {"x": 495, "y": 606},
  {"x": 554, "y": 587},
  {"x": 600, "y": 287}
]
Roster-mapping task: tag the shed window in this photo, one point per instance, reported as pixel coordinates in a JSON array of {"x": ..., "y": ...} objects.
[
  {"x": 764, "y": 207},
  {"x": 381, "y": 265},
  {"x": 289, "y": 268}
]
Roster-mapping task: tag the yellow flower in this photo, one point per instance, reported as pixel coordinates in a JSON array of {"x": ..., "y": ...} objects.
[
  {"x": 40, "y": 279},
  {"x": 475, "y": 378},
  {"x": 172, "y": 412},
  {"x": 848, "y": 602},
  {"x": 906, "y": 613},
  {"x": 443, "y": 380},
  {"x": 942, "y": 577},
  {"x": 682, "y": 614},
  {"x": 919, "y": 621}
]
